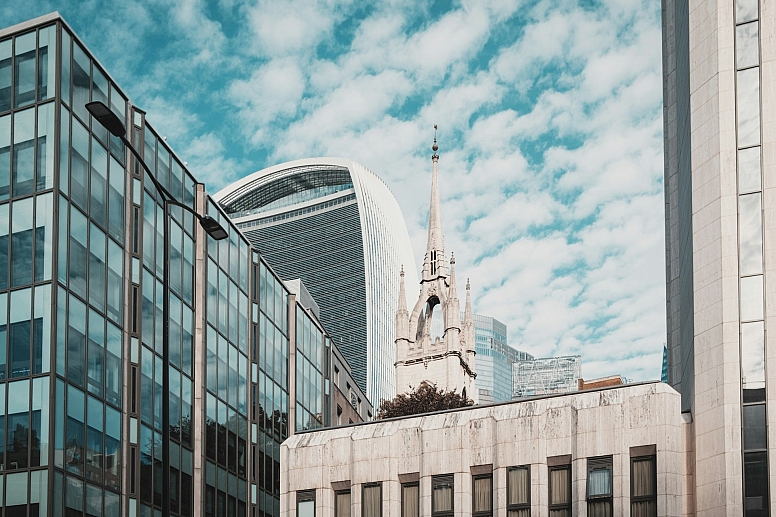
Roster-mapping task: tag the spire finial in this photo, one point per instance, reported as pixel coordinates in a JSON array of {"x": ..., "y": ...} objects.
[
  {"x": 468, "y": 287},
  {"x": 435, "y": 147},
  {"x": 452, "y": 258},
  {"x": 402, "y": 271}
]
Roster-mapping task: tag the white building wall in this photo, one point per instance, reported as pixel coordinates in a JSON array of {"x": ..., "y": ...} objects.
[{"x": 585, "y": 424}]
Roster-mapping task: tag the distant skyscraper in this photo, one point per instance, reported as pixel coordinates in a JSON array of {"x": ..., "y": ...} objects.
[
  {"x": 337, "y": 226},
  {"x": 664, "y": 373},
  {"x": 546, "y": 376},
  {"x": 494, "y": 358}
]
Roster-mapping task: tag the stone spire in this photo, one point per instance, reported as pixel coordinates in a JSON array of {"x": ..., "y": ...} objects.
[
  {"x": 453, "y": 309},
  {"x": 402, "y": 316},
  {"x": 435, "y": 263},
  {"x": 468, "y": 319}
]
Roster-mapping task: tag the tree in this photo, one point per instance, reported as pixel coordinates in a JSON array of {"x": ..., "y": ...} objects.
[{"x": 426, "y": 398}]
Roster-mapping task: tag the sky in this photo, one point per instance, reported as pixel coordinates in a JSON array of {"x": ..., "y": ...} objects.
[{"x": 550, "y": 135}]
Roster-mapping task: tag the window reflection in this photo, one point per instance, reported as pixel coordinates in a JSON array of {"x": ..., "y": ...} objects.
[
  {"x": 746, "y": 10},
  {"x": 24, "y": 70},
  {"x": 752, "y": 298},
  {"x": 5, "y": 75},
  {"x": 748, "y": 97},
  {"x": 47, "y": 51},
  {"x": 23, "y": 170},
  {"x": 750, "y": 234},
  {"x": 753, "y": 361},
  {"x": 747, "y": 45}
]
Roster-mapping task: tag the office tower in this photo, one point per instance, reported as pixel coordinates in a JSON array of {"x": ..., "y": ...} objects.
[
  {"x": 337, "y": 226},
  {"x": 719, "y": 175},
  {"x": 546, "y": 376},
  {"x": 494, "y": 358},
  {"x": 146, "y": 368}
]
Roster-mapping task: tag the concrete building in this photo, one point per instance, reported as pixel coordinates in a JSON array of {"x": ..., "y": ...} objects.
[
  {"x": 333, "y": 223},
  {"x": 720, "y": 174},
  {"x": 447, "y": 360},
  {"x": 545, "y": 376},
  {"x": 613, "y": 451}
]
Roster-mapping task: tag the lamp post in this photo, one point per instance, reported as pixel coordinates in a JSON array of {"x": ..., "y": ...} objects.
[{"x": 212, "y": 227}]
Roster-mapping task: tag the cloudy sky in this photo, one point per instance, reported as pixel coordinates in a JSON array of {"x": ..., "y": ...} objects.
[{"x": 550, "y": 134}]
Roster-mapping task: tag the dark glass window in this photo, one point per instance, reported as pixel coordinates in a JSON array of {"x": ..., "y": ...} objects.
[
  {"x": 76, "y": 341},
  {"x": 23, "y": 170},
  {"x": 519, "y": 491},
  {"x": 5, "y": 156},
  {"x": 5, "y": 75},
  {"x": 442, "y": 490},
  {"x": 482, "y": 495},
  {"x": 643, "y": 487},
  {"x": 599, "y": 487},
  {"x": 754, "y": 427},
  {"x": 305, "y": 503},
  {"x": 372, "y": 500},
  {"x": 756, "y": 484},
  {"x": 18, "y": 435},
  {"x": 560, "y": 490},
  {"x": 74, "y": 439},
  {"x": 24, "y": 70},
  {"x": 19, "y": 333}
]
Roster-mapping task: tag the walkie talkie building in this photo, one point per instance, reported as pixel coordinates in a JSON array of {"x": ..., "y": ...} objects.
[{"x": 336, "y": 225}]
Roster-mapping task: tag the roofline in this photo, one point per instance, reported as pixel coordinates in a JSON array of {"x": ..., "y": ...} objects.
[
  {"x": 239, "y": 184},
  {"x": 480, "y": 406},
  {"x": 29, "y": 24}
]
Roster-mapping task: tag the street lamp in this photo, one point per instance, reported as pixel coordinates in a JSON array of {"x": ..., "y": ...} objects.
[{"x": 115, "y": 126}]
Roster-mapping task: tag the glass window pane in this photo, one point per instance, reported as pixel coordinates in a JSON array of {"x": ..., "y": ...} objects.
[
  {"x": 752, "y": 298},
  {"x": 753, "y": 418},
  {"x": 749, "y": 177},
  {"x": 559, "y": 486},
  {"x": 79, "y": 165},
  {"x": 47, "y": 51},
  {"x": 599, "y": 482},
  {"x": 97, "y": 267},
  {"x": 5, "y": 75},
  {"x": 76, "y": 341},
  {"x": 305, "y": 509},
  {"x": 23, "y": 170},
  {"x": 755, "y": 483},
  {"x": 483, "y": 494},
  {"x": 78, "y": 254},
  {"x": 44, "y": 177},
  {"x": 44, "y": 236},
  {"x": 750, "y": 234},
  {"x": 81, "y": 82},
  {"x": 100, "y": 93},
  {"x": 748, "y": 98},
  {"x": 116, "y": 201},
  {"x": 5, "y": 157},
  {"x": 17, "y": 439},
  {"x": 747, "y": 45},
  {"x": 21, "y": 242},
  {"x": 98, "y": 208},
  {"x": 4, "y": 241},
  {"x": 24, "y": 70},
  {"x": 753, "y": 361},
  {"x": 746, "y": 10},
  {"x": 65, "y": 72},
  {"x": 518, "y": 489},
  {"x": 64, "y": 150},
  {"x": 16, "y": 489}
]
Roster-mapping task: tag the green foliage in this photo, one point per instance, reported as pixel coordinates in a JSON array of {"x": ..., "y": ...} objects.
[{"x": 426, "y": 398}]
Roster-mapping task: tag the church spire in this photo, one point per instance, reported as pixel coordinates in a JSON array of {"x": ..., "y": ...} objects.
[
  {"x": 435, "y": 263},
  {"x": 467, "y": 315},
  {"x": 402, "y": 316},
  {"x": 453, "y": 309}
]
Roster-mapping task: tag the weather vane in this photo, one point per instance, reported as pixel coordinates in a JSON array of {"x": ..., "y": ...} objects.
[{"x": 435, "y": 147}]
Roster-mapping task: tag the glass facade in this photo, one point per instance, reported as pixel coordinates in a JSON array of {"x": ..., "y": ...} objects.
[
  {"x": 337, "y": 226},
  {"x": 546, "y": 376},
  {"x": 750, "y": 258},
  {"x": 124, "y": 329}
]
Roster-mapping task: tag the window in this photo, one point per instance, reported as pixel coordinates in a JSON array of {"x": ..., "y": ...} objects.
[
  {"x": 339, "y": 414},
  {"x": 342, "y": 503},
  {"x": 410, "y": 500},
  {"x": 372, "y": 500},
  {"x": 305, "y": 503},
  {"x": 519, "y": 491},
  {"x": 599, "y": 487},
  {"x": 560, "y": 491},
  {"x": 482, "y": 495},
  {"x": 643, "y": 487},
  {"x": 442, "y": 495}
]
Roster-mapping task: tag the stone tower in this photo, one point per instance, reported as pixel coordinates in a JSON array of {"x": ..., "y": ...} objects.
[{"x": 449, "y": 361}]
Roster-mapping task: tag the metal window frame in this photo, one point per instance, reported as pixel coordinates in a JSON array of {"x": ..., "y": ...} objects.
[
  {"x": 303, "y": 496},
  {"x": 336, "y": 506},
  {"x": 595, "y": 464},
  {"x": 482, "y": 513},
  {"x": 647, "y": 498},
  {"x": 403, "y": 498},
  {"x": 364, "y": 486},
  {"x": 550, "y": 469},
  {"x": 520, "y": 506},
  {"x": 438, "y": 481}
]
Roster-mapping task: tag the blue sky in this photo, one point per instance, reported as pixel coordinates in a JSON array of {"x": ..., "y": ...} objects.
[{"x": 550, "y": 134}]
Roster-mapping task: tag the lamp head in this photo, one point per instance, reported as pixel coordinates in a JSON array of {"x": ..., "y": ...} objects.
[
  {"x": 107, "y": 118},
  {"x": 213, "y": 228}
]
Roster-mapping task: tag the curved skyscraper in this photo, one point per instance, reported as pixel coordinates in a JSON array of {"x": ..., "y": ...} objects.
[{"x": 333, "y": 223}]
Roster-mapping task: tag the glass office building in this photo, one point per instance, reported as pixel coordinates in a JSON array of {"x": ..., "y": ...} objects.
[
  {"x": 97, "y": 386},
  {"x": 494, "y": 358},
  {"x": 336, "y": 225},
  {"x": 546, "y": 376}
]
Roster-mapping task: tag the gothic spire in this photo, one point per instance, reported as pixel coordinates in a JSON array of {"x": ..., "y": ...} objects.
[
  {"x": 402, "y": 330},
  {"x": 435, "y": 263},
  {"x": 453, "y": 309},
  {"x": 468, "y": 319}
]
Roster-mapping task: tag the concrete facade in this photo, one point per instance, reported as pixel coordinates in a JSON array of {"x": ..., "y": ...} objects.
[{"x": 617, "y": 422}]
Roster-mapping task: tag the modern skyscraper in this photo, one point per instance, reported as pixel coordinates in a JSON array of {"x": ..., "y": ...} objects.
[
  {"x": 546, "y": 376},
  {"x": 447, "y": 361},
  {"x": 146, "y": 369},
  {"x": 720, "y": 139},
  {"x": 494, "y": 358},
  {"x": 337, "y": 226}
]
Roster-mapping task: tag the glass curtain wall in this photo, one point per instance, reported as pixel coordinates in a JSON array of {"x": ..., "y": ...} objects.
[
  {"x": 309, "y": 376},
  {"x": 750, "y": 233}
]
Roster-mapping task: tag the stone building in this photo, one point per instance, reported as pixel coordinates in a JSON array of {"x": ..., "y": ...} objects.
[
  {"x": 448, "y": 360},
  {"x": 529, "y": 457}
]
